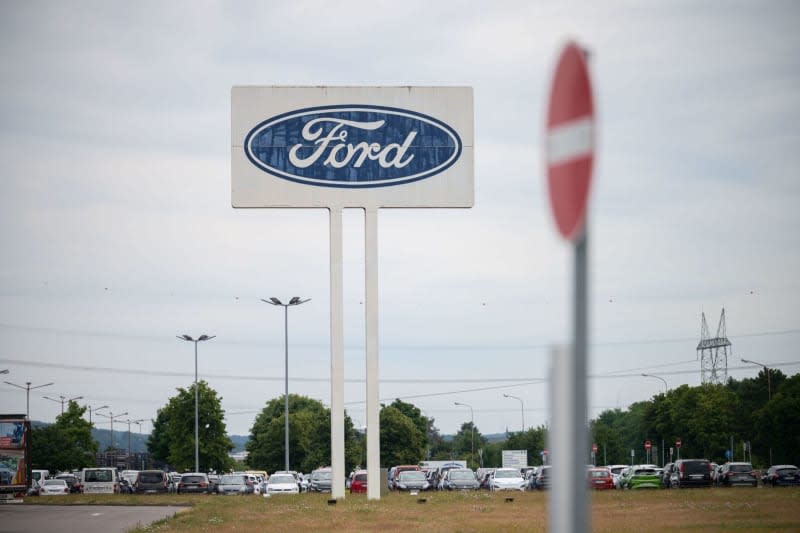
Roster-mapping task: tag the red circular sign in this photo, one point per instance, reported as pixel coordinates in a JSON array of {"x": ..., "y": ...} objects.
[
  {"x": 647, "y": 445},
  {"x": 677, "y": 443},
  {"x": 594, "y": 448},
  {"x": 570, "y": 141}
]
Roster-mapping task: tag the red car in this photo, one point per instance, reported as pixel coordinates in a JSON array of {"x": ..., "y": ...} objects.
[
  {"x": 599, "y": 478},
  {"x": 359, "y": 483}
]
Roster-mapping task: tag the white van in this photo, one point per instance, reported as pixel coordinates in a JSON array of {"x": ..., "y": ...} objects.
[
  {"x": 40, "y": 475},
  {"x": 100, "y": 481}
]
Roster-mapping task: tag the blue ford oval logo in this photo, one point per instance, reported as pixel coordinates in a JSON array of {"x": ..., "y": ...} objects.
[{"x": 353, "y": 146}]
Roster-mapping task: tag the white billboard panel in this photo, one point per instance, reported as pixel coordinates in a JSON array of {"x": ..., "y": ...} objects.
[{"x": 352, "y": 147}]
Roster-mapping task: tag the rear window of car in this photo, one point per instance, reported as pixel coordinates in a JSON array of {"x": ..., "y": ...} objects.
[
  {"x": 786, "y": 471},
  {"x": 644, "y": 472},
  {"x": 461, "y": 474},
  {"x": 412, "y": 475},
  {"x": 282, "y": 479},
  {"x": 232, "y": 480},
  {"x": 193, "y": 479},
  {"x": 600, "y": 473},
  {"x": 742, "y": 468},
  {"x": 151, "y": 477},
  {"x": 696, "y": 467},
  {"x": 53, "y": 482},
  {"x": 98, "y": 475},
  {"x": 360, "y": 477}
]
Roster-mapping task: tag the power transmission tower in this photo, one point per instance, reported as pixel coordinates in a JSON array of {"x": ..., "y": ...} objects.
[{"x": 713, "y": 352}]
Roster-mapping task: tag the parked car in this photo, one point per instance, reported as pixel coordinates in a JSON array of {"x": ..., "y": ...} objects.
[
  {"x": 460, "y": 479},
  {"x": 100, "y": 480},
  {"x": 781, "y": 476},
  {"x": 321, "y": 480},
  {"x": 34, "y": 489},
  {"x": 542, "y": 481},
  {"x": 397, "y": 470},
  {"x": 507, "y": 479},
  {"x": 411, "y": 480},
  {"x": 151, "y": 482},
  {"x": 691, "y": 473},
  {"x": 742, "y": 474},
  {"x": 54, "y": 487},
  {"x": 359, "y": 482},
  {"x": 616, "y": 470},
  {"x": 599, "y": 478},
  {"x": 72, "y": 481},
  {"x": 282, "y": 484},
  {"x": 234, "y": 484},
  {"x": 640, "y": 477},
  {"x": 194, "y": 483}
]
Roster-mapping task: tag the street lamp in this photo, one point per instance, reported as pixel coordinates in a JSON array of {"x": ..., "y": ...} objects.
[
  {"x": 62, "y": 399},
  {"x": 111, "y": 416},
  {"x": 666, "y": 388},
  {"x": 27, "y": 388},
  {"x": 769, "y": 392},
  {"x": 521, "y": 408},
  {"x": 196, "y": 430},
  {"x": 129, "y": 422},
  {"x": 294, "y": 301},
  {"x": 472, "y": 422},
  {"x": 657, "y": 377},
  {"x": 89, "y": 407}
]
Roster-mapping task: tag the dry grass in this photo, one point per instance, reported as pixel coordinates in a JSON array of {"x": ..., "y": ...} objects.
[{"x": 613, "y": 511}]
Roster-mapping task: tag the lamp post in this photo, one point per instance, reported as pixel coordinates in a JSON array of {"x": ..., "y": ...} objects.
[
  {"x": 294, "y": 301},
  {"x": 201, "y": 338},
  {"x": 27, "y": 388},
  {"x": 769, "y": 393},
  {"x": 89, "y": 407},
  {"x": 472, "y": 423},
  {"x": 521, "y": 408},
  {"x": 129, "y": 422},
  {"x": 62, "y": 399},
  {"x": 111, "y": 416},
  {"x": 666, "y": 388}
]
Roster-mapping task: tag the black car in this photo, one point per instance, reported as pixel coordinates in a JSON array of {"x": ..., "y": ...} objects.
[
  {"x": 737, "y": 474},
  {"x": 691, "y": 473},
  {"x": 782, "y": 476},
  {"x": 460, "y": 479},
  {"x": 543, "y": 478},
  {"x": 194, "y": 483}
]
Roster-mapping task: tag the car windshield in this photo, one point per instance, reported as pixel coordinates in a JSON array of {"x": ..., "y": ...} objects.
[
  {"x": 97, "y": 475},
  {"x": 151, "y": 477},
  {"x": 462, "y": 475},
  {"x": 412, "y": 475},
  {"x": 360, "y": 477},
  {"x": 506, "y": 474},
  {"x": 54, "y": 482},
  {"x": 282, "y": 479},
  {"x": 746, "y": 467}
]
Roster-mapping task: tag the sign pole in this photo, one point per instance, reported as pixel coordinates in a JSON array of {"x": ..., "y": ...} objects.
[
  {"x": 371, "y": 308},
  {"x": 337, "y": 354}
]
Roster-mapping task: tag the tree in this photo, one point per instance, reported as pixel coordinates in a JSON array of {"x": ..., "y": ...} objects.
[
  {"x": 778, "y": 423},
  {"x": 173, "y": 440},
  {"x": 465, "y": 441},
  {"x": 402, "y": 442},
  {"x": 309, "y": 436},
  {"x": 533, "y": 440},
  {"x": 65, "y": 445}
]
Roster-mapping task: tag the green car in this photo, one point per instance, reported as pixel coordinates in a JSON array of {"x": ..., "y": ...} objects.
[{"x": 640, "y": 477}]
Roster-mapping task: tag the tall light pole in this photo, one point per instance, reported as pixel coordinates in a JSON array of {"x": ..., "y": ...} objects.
[
  {"x": 294, "y": 301},
  {"x": 89, "y": 407},
  {"x": 472, "y": 422},
  {"x": 666, "y": 388},
  {"x": 111, "y": 416},
  {"x": 129, "y": 422},
  {"x": 769, "y": 393},
  {"x": 62, "y": 400},
  {"x": 27, "y": 388},
  {"x": 521, "y": 408},
  {"x": 201, "y": 338}
]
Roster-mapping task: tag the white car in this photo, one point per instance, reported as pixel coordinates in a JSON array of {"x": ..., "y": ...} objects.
[
  {"x": 616, "y": 471},
  {"x": 507, "y": 479},
  {"x": 282, "y": 484},
  {"x": 54, "y": 487}
]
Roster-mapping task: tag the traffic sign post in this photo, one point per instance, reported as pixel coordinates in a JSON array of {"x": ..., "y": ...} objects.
[
  {"x": 570, "y": 154},
  {"x": 678, "y": 447},
  {"x": 647, "y": 447}
]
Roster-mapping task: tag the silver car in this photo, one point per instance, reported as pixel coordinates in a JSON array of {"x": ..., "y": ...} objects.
[{"x": 236, "y": 484}]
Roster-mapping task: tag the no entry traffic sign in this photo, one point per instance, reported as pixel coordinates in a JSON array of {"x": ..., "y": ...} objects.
[
  {"x": 570, "y": 141},
  {"x": 647, "y": 445}
]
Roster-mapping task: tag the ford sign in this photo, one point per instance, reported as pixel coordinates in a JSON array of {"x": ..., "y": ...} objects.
[{"x": 353, "y": 146}]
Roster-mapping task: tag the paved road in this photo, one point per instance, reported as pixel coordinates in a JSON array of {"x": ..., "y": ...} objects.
[{"x": 16, "y": 518}]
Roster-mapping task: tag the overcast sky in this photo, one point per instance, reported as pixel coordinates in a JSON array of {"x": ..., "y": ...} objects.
[{"x": 118, "y": 232}]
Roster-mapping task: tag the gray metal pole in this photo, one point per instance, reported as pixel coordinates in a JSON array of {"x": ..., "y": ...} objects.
[
  {"x": 196, "y": 414},
  {"x": 286, "y": 385},
  {"x": 28, "y": 400}
]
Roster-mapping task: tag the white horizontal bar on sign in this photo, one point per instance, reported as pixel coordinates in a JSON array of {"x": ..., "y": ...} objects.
[{"x": 570, "y": 140}]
